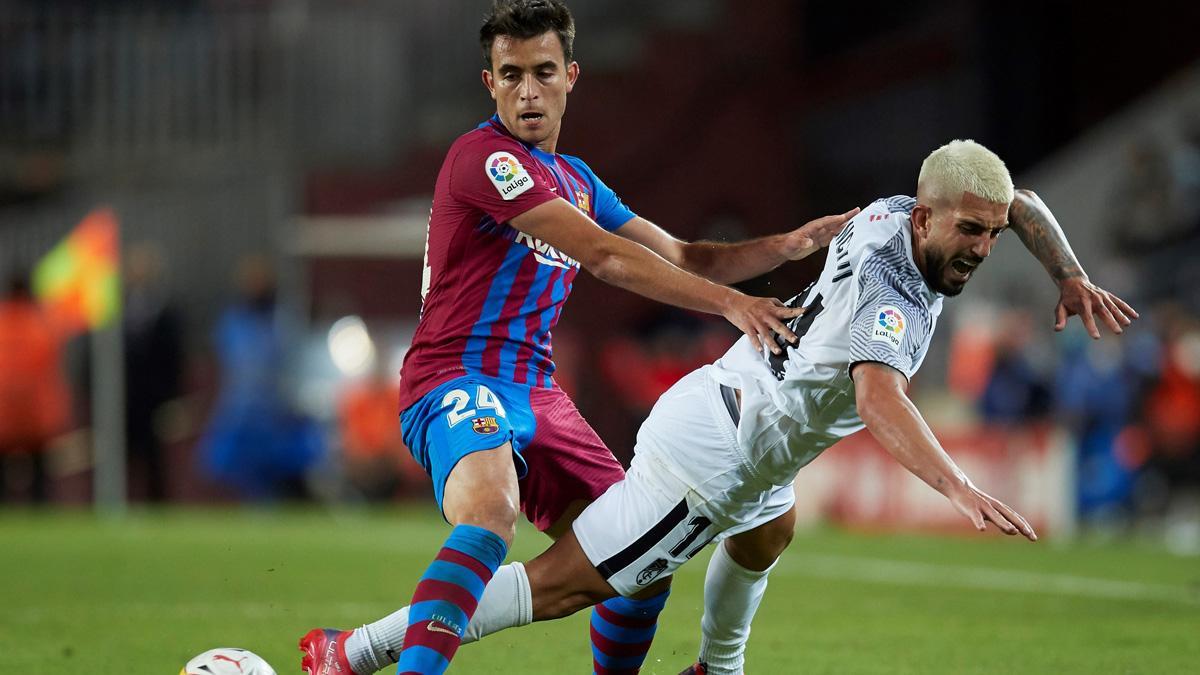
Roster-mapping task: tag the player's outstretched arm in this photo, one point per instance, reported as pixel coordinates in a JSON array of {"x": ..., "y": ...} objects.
[
  {"x": 1031, "y": 219},
  {"x": 897, "y": 424},
  {"x": 621, "y": 262},
  {"x": 728, "y": 263}
]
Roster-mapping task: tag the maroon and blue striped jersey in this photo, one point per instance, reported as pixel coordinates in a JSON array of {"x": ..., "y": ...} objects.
[{"x": 491, "y": 294}]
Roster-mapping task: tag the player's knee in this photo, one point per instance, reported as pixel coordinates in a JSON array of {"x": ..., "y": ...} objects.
[
  {"x": 759, "y": 548},
  {"x": 495, "y": 512}
]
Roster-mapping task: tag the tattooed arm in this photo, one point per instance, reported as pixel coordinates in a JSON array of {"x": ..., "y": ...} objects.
[{"x": 1029, "y": 217}]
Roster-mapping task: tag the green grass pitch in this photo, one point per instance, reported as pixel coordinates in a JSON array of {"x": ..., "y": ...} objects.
[{"x": 143, "y": 593}]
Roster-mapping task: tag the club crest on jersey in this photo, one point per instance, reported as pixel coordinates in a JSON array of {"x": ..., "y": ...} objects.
[
  {"x": 583, "y": 200},
  {"x": 889, "y": 326},
  {"x": 651, "y": 571},
  {"x": 485, "y": 425},
  {"x": 545, "y": 253},
  {"x": 507, "y": 175}
]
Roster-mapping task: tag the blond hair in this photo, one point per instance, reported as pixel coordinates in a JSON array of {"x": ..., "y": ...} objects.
[{"x": 965, "y": 166}]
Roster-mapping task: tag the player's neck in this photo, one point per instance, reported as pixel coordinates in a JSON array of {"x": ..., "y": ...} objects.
[
  {"x": 549, "y": 144},
  {"x": 917, "y": 258},
  {"x": 546, "y": 145}
]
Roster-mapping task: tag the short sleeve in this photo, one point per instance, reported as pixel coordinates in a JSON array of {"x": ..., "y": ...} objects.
[
  {"x": 499, "y": 177},
  {"x": 611, "y": 212},
  {"x": 887, "y": 327}
]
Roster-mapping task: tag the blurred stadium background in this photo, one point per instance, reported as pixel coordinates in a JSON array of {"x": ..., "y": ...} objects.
[{"x": 227, "y": 201}]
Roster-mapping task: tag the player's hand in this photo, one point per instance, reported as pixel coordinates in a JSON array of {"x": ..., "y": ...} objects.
[
  {"x": 981, "y": 508},
  {"x": 815, "y": 234},
  {"x": 759, "y": 318},
  {"x": 1082, "y": 297}
]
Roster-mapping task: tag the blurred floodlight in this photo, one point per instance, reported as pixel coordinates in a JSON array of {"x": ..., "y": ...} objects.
[{"x": 350, "y": 346}]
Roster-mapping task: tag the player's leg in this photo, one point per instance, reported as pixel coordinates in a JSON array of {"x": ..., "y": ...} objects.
[
  {"x": 463, "y": 433},
  {"x": 734, "y": 586},
  {"x": 480, "y": 500},
  {"x": 637, "y": 535},
  {"x": 571, "y": 468}
]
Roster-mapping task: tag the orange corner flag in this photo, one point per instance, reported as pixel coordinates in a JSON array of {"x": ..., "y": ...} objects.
[{"x": 78, "y": 280}]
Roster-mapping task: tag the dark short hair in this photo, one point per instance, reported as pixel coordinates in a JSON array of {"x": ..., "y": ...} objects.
[{"x": 524, "y": 19}]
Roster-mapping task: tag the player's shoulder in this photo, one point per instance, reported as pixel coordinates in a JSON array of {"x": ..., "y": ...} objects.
[
  {"x": 876, "y": 224},
  {"x": 578, "y": 164},
  {"x": 486, "y": 140},
  {"x": 885, "y": 209}
]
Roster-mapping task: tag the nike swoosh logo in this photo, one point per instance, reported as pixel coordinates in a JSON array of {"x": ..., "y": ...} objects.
[{"x": 440, "y": 629}]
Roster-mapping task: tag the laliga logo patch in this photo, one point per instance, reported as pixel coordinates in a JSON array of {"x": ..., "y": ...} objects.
[
  {"x": 485, "y": 425},
  {"x": 507, "y": 175},
  {"x": 889, "y": 326}
]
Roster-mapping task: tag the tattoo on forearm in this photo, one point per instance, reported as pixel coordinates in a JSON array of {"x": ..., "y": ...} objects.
[{"x": 1041, "y": 234}]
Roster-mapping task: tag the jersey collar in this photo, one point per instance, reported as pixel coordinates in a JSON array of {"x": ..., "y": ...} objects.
[{"x": 494, "y": 122}]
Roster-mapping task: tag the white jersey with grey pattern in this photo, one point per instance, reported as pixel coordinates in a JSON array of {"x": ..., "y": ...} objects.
[{"x": 869, "y": 304}]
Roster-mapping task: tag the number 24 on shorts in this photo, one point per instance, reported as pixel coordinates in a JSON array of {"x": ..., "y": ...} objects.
[{"x": 459, "y": 400}]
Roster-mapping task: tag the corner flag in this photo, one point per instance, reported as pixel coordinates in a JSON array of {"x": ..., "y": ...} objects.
[{"x": 78, "y": 280}]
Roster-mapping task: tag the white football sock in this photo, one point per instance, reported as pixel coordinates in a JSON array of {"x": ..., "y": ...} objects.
[
  {"x": 375, "y": 646},
  {"x": 507, "y": 602},
  {"x": 732, "y": 594}
]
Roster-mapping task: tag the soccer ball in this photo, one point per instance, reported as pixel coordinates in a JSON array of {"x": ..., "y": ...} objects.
[{"x": 227, "y": 661}]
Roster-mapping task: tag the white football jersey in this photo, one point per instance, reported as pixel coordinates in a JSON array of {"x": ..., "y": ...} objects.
[{"x": 869, "y": 304}]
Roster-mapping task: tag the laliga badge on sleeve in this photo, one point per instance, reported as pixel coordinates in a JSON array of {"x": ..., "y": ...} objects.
[
  {"x": 507, "y": 175},
  {"x": 889, "y": 326}
]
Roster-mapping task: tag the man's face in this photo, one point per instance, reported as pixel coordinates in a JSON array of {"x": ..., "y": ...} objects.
[
  {"x": 954, "y": 237},
  {"x": 529, "y": 81}
]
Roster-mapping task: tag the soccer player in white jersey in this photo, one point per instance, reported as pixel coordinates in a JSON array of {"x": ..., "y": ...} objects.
[{"x": 716, "y": 458}]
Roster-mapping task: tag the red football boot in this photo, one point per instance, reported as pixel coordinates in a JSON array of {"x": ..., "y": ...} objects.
[
  {"x": 325, "y": 652},
  {"x": 697, "y": 668}
]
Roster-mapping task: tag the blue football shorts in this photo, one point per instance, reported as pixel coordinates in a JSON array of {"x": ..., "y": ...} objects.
[{"x": 468, "y": 414}]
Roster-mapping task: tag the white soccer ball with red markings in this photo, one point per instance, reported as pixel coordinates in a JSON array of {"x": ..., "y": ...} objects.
[{"x": 227, "y": 661}]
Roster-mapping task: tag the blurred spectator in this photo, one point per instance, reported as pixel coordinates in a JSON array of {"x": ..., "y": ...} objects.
[
  {"x": 1173, "y": 405},
  {"x": 153, "y": 364},
  {"x": 1142, "y": 200},
  {"x": 376, "y": 460},
  {"x": 255, "y": 442},
  {"x": 1099, "y": 390},
  {"x": 1157, "y": 215},
  {"x": 668, "y": 346},
  {"x": 972, "y": 350},
  {"x": 1015, "y": 392},
  {"x": 34, "y": 398}
]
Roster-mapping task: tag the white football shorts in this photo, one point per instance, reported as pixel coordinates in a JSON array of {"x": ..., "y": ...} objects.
[{"x": 688, "y": 485}]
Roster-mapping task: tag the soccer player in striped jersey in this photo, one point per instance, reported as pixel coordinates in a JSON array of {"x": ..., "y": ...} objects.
[
  {"x": 716, "y": 458},
  {"x": 513, "y": 221}
]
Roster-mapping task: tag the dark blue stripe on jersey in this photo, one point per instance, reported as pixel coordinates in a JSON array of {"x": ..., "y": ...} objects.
[
  {"x": 843, "y": 275},
  {"x": 502, "y": 283},
  {"x": 845, "y": 235},
  {"x": 516, "y": 326},
  {"x": 573, "y": 186},
  {"x": 645, "y": 542},
  {"x": 540, "y": 363},
  {"x": 799, "y": 326}
]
